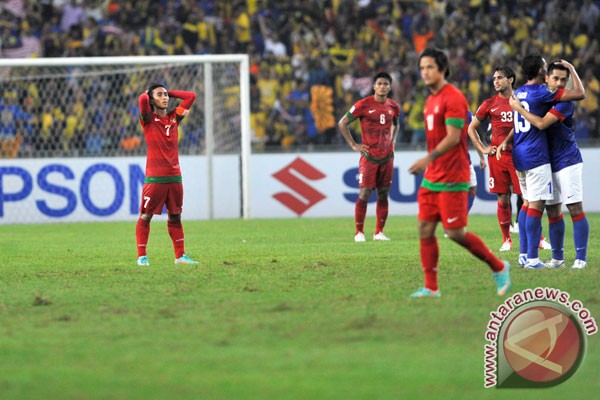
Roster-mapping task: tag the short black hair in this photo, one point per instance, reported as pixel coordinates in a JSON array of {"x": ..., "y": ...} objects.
[
  {"x": 531, "y": 65},
  {"x": 383, "y": 75},
  {"x": 507, "y": 72},
  {"x": 440, "y": 58},
  {"x": 557, "y": 65},
  {"x": 154, "y": 86}
]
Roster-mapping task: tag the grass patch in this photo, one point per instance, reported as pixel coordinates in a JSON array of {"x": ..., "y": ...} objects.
[{"x": 289, "y": 308}]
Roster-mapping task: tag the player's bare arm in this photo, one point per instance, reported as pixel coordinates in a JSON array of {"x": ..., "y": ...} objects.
[
  {"x": 515, "y": 104},
  {"x": 482, "y": 162},
  {"x": 504, "y": 145},
  {"x": 538, "y": 122},
  {"x": 535, "y": 120},
  {"x": 451, "y": 140},
  {"x": 395, "y": 130},
  {"x": 473, "y": 132},
  {"x": 343, "y": 125}
]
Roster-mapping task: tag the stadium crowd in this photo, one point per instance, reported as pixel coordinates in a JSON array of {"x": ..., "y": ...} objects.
[{"x": 310, "y": 59}]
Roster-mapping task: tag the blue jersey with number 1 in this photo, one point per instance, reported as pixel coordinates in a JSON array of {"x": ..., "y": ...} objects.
[{"x": 530, "y": 147}]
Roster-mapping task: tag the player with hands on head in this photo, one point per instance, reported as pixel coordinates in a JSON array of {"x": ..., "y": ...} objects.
[{"x": 163, "y": 182}]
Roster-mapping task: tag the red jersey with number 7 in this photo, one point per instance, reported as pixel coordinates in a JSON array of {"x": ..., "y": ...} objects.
[
  {"x": 447, "y": 107},
  {"x": 162, "y": 136}
]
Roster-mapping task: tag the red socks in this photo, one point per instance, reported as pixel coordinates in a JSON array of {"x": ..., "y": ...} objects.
[
  {"x": 360, "y": 211},
  {"x": 142, "y": 231},
  {"x": 176, "y": 232},
  {"x": 429, "y": 261},
  {"x": 382, "y": 214},
  {"x": 475, "y": 245},
  {"x": 504, "y": 216}
]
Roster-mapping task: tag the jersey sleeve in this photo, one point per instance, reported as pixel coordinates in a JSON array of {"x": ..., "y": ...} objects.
[
  {"x": 187, "y": 99},
  {"x": 559, "y": 93},
  {"x": 396, "y": 109},
  {"x": 562, "y": 110},
  {"x": 356, "y": 110},
  {"x": 456, "y": 111},
  {"x": 483, "y": 110},
  {"x": 548, "y": 96},
  {"x": 145, "y": 109}
]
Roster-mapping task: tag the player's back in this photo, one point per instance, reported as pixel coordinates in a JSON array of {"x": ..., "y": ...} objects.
[{"x": 530, "y": 146}]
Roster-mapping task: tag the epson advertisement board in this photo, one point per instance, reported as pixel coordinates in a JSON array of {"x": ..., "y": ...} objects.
[{"x": 287, "y": 185}]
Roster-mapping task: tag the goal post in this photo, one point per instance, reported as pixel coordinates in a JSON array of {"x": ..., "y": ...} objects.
[{"x": 62, "y": 104}]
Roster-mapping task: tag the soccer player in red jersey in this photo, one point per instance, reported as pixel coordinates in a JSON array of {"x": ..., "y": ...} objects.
[
  {"x": 503, "y": 176},
  {"x": 443, "y": 192},
  {"x": 378, "y": 117},
  {"x": 163, "y": 184}
]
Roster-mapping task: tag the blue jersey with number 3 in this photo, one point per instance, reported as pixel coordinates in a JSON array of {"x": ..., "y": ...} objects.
[{"x": 530, "y": 148}]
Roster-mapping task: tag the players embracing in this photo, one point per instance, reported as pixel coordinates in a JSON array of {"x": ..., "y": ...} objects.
[
  {"x": 531, "y": 154},
  {"x": 566, "y": 165}
]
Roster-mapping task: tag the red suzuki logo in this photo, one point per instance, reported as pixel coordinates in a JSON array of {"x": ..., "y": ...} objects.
[{"x": 304, "y": 196}]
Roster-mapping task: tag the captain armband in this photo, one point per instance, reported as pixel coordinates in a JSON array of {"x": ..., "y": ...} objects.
[{"x": 181, "y": 112}]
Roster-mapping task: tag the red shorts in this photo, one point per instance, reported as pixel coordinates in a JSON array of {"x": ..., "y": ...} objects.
[
  {"x": 450, "y": 208},
  {"x": 373, "y": 175},
  {"x": 157, "y": 195},
  {"x": 503, "y": 175}
]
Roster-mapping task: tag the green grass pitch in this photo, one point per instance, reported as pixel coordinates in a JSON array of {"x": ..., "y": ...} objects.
[{"x": 278, "y": 309}]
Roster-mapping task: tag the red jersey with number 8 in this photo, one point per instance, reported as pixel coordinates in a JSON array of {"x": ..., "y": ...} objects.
[{"x": 448, "y": 106}]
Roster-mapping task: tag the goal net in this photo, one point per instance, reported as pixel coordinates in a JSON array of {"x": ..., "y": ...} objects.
[{"x": 88, "y": 107}]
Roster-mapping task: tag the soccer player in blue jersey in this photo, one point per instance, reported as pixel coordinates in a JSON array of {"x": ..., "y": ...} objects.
[
  {"x": 567, "y": 168},
  {"x": 530, "y": 150}
]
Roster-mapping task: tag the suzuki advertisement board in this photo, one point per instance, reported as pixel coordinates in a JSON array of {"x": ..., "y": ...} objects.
[{"x": 289, "y": 185}]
